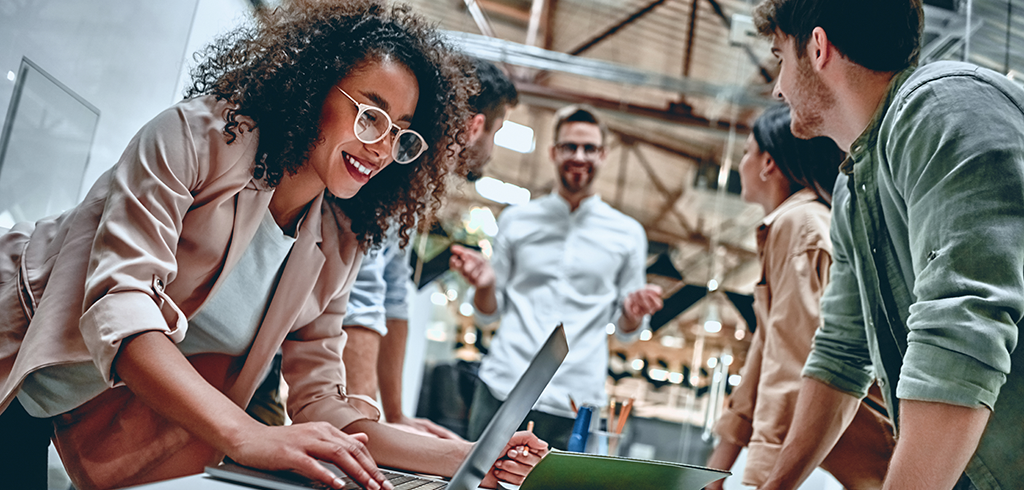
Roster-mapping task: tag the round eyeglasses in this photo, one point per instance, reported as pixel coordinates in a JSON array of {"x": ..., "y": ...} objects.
[{"x": 372, "y": 124}]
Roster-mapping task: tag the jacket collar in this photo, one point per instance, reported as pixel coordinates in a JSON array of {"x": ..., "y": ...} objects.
[
  {"x": 868, "y": 139},
  {"x": 799, "y": 197}
]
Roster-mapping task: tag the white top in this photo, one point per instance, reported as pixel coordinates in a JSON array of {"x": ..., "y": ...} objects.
[{"x": 552, "y": 267}]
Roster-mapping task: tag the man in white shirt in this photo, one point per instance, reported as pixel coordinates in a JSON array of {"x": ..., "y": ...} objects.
[{"x": 563, "y": 258}]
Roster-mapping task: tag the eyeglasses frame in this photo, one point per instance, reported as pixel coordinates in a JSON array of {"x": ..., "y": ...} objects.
[
  {"x": 597, "y": 152},
  {"x": 362, "y": 109}
]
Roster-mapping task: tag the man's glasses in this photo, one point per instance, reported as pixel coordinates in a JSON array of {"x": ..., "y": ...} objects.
[
  {"x": 566, "y": 150},
  {"x": 372, "y": 124}
]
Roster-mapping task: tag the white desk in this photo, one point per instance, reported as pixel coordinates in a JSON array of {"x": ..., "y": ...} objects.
[
  {"x": 206, "y": 482},
  {"x": 195, "y": 482}
]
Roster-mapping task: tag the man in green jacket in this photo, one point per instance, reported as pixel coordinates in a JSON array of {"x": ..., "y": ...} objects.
[{"x": 927, "y": 283}]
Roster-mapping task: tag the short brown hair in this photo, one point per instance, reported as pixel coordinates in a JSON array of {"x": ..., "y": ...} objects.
[
  {"x": 579, "y": 113},
  {"x": 880, "y": 35}
]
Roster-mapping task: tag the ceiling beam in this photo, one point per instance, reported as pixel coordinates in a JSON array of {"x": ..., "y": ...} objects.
[
  {"x": 473, "y": 6},
  {"x": 536, "y": 13},
  {"x": 504, "y": 10},
  {"x": 502, "y": 51},
  {"x": 765, "y": 73},
  {"x": 569, "y": 97},
  {"x": 628, "y": 137},
  {"x": 688, "y": 55},
  {"x": 669, "y": 196},
  {"x": 615, "y": 28}
]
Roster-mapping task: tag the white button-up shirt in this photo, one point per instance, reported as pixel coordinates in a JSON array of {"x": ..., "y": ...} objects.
[{"x": 555, "y": 266}]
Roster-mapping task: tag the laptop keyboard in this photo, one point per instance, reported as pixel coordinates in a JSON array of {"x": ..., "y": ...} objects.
[
  {"x": 400, "y": 481},
  {"x": 409, "y": 482}
]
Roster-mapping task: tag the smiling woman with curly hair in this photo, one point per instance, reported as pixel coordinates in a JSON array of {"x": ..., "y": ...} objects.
[
  {"x": 135, "y": 327},
  {"x": 313, "y": 49}
]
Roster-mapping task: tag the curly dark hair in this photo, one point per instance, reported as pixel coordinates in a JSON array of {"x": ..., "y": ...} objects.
[{"x": 279, "y": 70}]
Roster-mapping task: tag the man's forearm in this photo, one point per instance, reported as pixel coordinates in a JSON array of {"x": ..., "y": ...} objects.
[
  {"x": 723, "y": 457},
  {"x": 822, "y": 415},
  {"x": 390, "y": 363},
  {"x": 936, "y": 442},
  {"x": 485, "y": 300}
]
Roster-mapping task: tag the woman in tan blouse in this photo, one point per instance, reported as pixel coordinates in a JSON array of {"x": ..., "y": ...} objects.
[
  {"x": 792, "y": 180},
  {"x": 302, "y": 138}
]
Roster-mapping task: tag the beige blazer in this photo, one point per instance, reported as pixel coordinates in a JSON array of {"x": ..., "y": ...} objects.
[
  {"x": 795, "y": 254},
  {"x": 145, "y": 249}
]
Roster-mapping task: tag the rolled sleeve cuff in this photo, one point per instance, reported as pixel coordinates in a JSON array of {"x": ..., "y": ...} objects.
[
  {"x": 371, "y": 318},
  {"x": 120, "y": 315},
  {"x": 335, "y": 409},
  {"x": 849, "y": 380},
  {"x": 488, "y": 318},
  {"x": 734, "y": 428},
  {"x": 629, "y": 337},
  {"x": 949, "y": 377},
  {"x": 396, "y": 310}
]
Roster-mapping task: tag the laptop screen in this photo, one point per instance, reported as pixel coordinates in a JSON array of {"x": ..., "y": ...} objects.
[{"x": 512, "y": 412}]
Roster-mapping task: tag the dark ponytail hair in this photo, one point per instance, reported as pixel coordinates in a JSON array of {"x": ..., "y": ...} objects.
[{"x": 812, "y": 164}]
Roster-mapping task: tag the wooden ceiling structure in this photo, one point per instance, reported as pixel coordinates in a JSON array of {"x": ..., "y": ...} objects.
[{"x": 679, "y": 83}]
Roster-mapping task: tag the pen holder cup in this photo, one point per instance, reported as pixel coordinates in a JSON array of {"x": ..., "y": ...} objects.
[{"x": 603, "y": 442}]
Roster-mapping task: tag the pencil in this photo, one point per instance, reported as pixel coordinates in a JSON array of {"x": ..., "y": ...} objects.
[
  {"x": 572, "y": 403},
  {"x": 623, "y": 415},
  {"x": 529, "y": 428}
]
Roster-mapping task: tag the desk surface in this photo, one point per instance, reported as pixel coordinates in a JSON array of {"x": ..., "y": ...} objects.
[{"x": 203, "y": 482}]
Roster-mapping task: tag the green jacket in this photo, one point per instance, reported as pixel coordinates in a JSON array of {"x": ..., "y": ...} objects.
[{"x": 927, "y": 282}]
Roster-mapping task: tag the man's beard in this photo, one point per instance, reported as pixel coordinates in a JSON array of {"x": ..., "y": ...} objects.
[
  {"x": 570, "y": 184},
  {"x": 814, "y": 98},
  {"x": 476, "y": 159}
]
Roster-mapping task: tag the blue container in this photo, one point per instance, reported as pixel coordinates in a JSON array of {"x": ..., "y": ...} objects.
[{"x": 580, "y": 429}]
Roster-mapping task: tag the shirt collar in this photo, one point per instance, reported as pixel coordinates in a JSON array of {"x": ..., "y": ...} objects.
[
  {"x": 585, "y": 204},
  {"x": 869, "y": 137},
  {"x": 797, "y": 198}
]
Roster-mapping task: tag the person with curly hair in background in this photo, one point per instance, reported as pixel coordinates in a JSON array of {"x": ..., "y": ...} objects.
[{"x": 135, "y": 326}]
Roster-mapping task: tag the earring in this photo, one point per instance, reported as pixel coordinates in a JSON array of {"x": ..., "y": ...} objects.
[{"x": 764, "y": 175}]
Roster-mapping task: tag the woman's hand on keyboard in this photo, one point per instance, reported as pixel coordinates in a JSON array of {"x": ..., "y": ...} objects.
[
  {"x": 298, "y": 448},
  {"x": 522, "y": 453}
]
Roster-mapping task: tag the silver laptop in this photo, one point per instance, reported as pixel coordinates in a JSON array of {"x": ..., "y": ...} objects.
[{"x": 476, "y": 465}]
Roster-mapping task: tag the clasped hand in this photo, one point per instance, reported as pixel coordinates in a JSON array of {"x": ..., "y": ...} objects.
[{"x": 521, "y": 454}]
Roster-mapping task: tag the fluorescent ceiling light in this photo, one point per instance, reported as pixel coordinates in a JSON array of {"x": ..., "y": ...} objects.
[
  {"x": 502, "y": 192},
  {"x": 515, "y": 137}
]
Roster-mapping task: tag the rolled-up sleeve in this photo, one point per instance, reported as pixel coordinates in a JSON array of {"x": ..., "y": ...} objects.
[
  {"x": 312, "y": 366},
  {"x": 366, "y": 302},
  {"x": 840, "y": 356},
  {"x": 133, "y": 253},
  {"x": 736, "y": 425},
  {"x": 962, "y": 179},
  {"x": 397, "y": 272}
]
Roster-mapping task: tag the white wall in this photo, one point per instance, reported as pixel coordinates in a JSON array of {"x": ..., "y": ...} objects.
[{"x": 125, "y": 57}]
